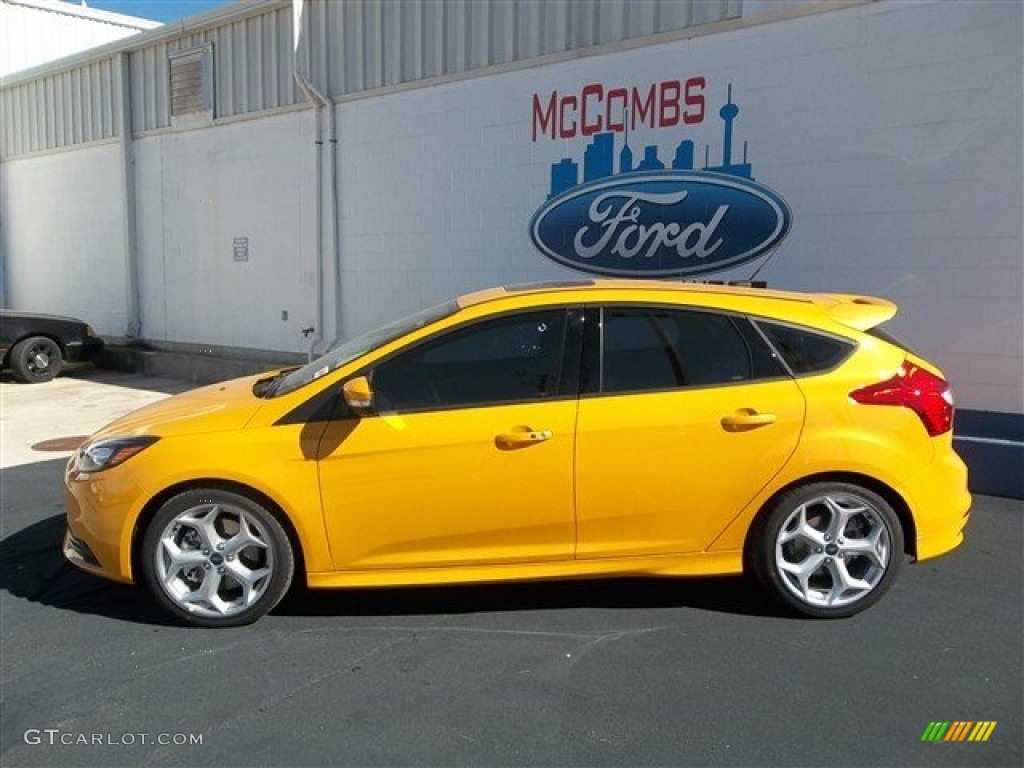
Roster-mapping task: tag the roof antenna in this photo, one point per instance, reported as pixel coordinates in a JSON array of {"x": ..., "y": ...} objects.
[{"x": 763, "y": 283}]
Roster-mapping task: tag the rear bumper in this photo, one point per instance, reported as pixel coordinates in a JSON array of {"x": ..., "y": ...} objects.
[{"x": 941, "y": 504}]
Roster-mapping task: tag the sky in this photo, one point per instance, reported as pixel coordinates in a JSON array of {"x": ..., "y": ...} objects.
[{"x": 156, "y": 10}]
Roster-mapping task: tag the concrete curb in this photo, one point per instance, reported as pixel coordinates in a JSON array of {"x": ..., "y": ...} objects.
[{"x": 199, "y": 368}]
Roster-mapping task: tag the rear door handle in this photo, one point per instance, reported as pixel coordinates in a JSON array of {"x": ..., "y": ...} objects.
[
  {"x": 747, "y": 418},
  {"x": 522, "y": 439}
]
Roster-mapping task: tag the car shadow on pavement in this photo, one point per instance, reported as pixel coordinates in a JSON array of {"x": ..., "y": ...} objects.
[
  {"x": 733, "y": 594},
  {"x": 33, "y": 568}
]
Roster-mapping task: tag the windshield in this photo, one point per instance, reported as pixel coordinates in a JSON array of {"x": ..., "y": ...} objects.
[{"x": 347, "y": 351}]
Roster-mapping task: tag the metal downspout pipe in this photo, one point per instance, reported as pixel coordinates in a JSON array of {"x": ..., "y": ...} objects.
[
  {"x": 319, "y": 101},
  {"x": 133, "y": 318},
  {"x": 335, "y": 219},
  {"x": 319, "y": 207}
]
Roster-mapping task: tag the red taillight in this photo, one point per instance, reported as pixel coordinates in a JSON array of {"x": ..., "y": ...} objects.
[{"x": 924, "y": 393}]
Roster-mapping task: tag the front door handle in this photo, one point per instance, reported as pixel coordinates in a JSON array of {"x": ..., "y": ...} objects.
[
  {"x": 747, "y": 418},
  {"x": 522, "y": 439}
]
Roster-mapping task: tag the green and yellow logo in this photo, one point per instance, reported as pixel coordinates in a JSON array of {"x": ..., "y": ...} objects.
[{"x": 959, "y": 730}]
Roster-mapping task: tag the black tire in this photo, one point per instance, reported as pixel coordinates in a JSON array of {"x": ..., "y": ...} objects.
[
  {"x": 36, "y": 359},
  {"x": 828, "y": 550},
  {"x": 196, "y": 540}
]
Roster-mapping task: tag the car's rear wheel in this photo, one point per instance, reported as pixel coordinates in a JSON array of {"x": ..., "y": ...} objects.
[
  {"x": 828, "y": 550},
  {"x": 216, "y": 558},
  {"x": 36, "y": 359}
]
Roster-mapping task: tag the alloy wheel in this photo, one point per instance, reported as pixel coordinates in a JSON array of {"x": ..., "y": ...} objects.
[
  {"x": 833, "y": 550},
  {"x": 214, "y": 560}
]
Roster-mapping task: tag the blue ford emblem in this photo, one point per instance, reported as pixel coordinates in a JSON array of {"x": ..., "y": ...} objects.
[{"x": 663, "y": 223}]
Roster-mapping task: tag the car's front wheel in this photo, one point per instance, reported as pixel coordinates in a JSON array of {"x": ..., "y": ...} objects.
[
  {"x": 828, "y": 550},
  {"x": 36, "y": 359},
  {"x": 216, "y": 558}
]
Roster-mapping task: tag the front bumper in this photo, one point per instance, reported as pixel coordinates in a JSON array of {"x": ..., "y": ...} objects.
[
  {"x": 100, "y": 514},
  {"x": 78, "y": 552}
]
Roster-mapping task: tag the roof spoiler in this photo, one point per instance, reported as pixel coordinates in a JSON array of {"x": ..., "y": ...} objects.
[{"x": 860, "y": 312}]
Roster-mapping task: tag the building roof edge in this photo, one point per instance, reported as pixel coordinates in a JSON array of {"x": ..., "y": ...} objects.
[
  {"x": 232, "y": 11},
  {"x": 85, "y": 12}
]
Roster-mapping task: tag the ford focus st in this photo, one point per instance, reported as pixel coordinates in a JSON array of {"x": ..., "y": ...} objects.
[{"x": 550, "y": 431}]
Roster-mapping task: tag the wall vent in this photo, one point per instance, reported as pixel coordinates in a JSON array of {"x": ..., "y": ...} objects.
[{"x": 191, "y": 91}]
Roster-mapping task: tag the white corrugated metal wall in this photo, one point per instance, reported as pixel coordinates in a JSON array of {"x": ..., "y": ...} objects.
[
  {"x": 76, "y": 106},
  {"x": 352, "y": 47}
]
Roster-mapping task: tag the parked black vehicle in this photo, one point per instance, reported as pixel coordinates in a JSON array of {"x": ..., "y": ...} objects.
[{"x": 35, "y": 347}]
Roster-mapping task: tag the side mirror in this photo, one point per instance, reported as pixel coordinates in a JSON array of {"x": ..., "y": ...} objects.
[{"x": 358, "y": 394}]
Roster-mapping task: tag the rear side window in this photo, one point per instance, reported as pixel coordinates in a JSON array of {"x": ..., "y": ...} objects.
[
  {"x": 650, "y": 349},
  {"x": 806, "y": 351}
]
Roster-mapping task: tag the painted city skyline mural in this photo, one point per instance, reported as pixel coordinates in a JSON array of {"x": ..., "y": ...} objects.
[{"x": 637, "y": 214}]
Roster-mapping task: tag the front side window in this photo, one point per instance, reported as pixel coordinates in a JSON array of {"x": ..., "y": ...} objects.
[
  {"x": 512, "y": 359},
  {"x": 650, "y": 349},
  {"x": 345, "y": 352}
]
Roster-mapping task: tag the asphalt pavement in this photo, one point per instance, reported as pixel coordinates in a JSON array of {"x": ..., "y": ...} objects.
[{"x": 637, "y": 672}]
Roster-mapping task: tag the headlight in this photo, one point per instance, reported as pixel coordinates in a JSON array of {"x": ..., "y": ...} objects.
[{"x": 104, "y": 454}]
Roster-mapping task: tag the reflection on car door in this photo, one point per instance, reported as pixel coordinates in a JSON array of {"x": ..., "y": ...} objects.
[
  {"x": 469, "y": 460},
  {"x": 685, "y": 416}
]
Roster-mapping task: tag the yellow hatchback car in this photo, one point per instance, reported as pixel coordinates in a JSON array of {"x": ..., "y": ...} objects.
[{"x": 548, "y": 431}]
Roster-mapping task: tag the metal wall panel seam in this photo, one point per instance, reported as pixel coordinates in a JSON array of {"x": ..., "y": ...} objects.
[
  {"x": 7, "y": 137},
  {"x": 271, "y": 64},
  {"x": 111, "y": 102},
  {"x": 49, "y": 113},
  {"x": 161, "y": 82},
  {"x": 77, "y": 96},
  {"x": 67, "y": 112}
]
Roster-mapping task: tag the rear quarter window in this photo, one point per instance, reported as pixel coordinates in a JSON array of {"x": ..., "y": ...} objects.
[
  {"x": 887, "y": 337},
  {"x": 806, "y": 351}
]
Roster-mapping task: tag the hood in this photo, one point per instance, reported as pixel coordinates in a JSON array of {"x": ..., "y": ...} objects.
[{"x": 222, "y": 407}]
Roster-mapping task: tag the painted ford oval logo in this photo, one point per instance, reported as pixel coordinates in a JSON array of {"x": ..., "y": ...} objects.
[{"x": 661, "y": 224}]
